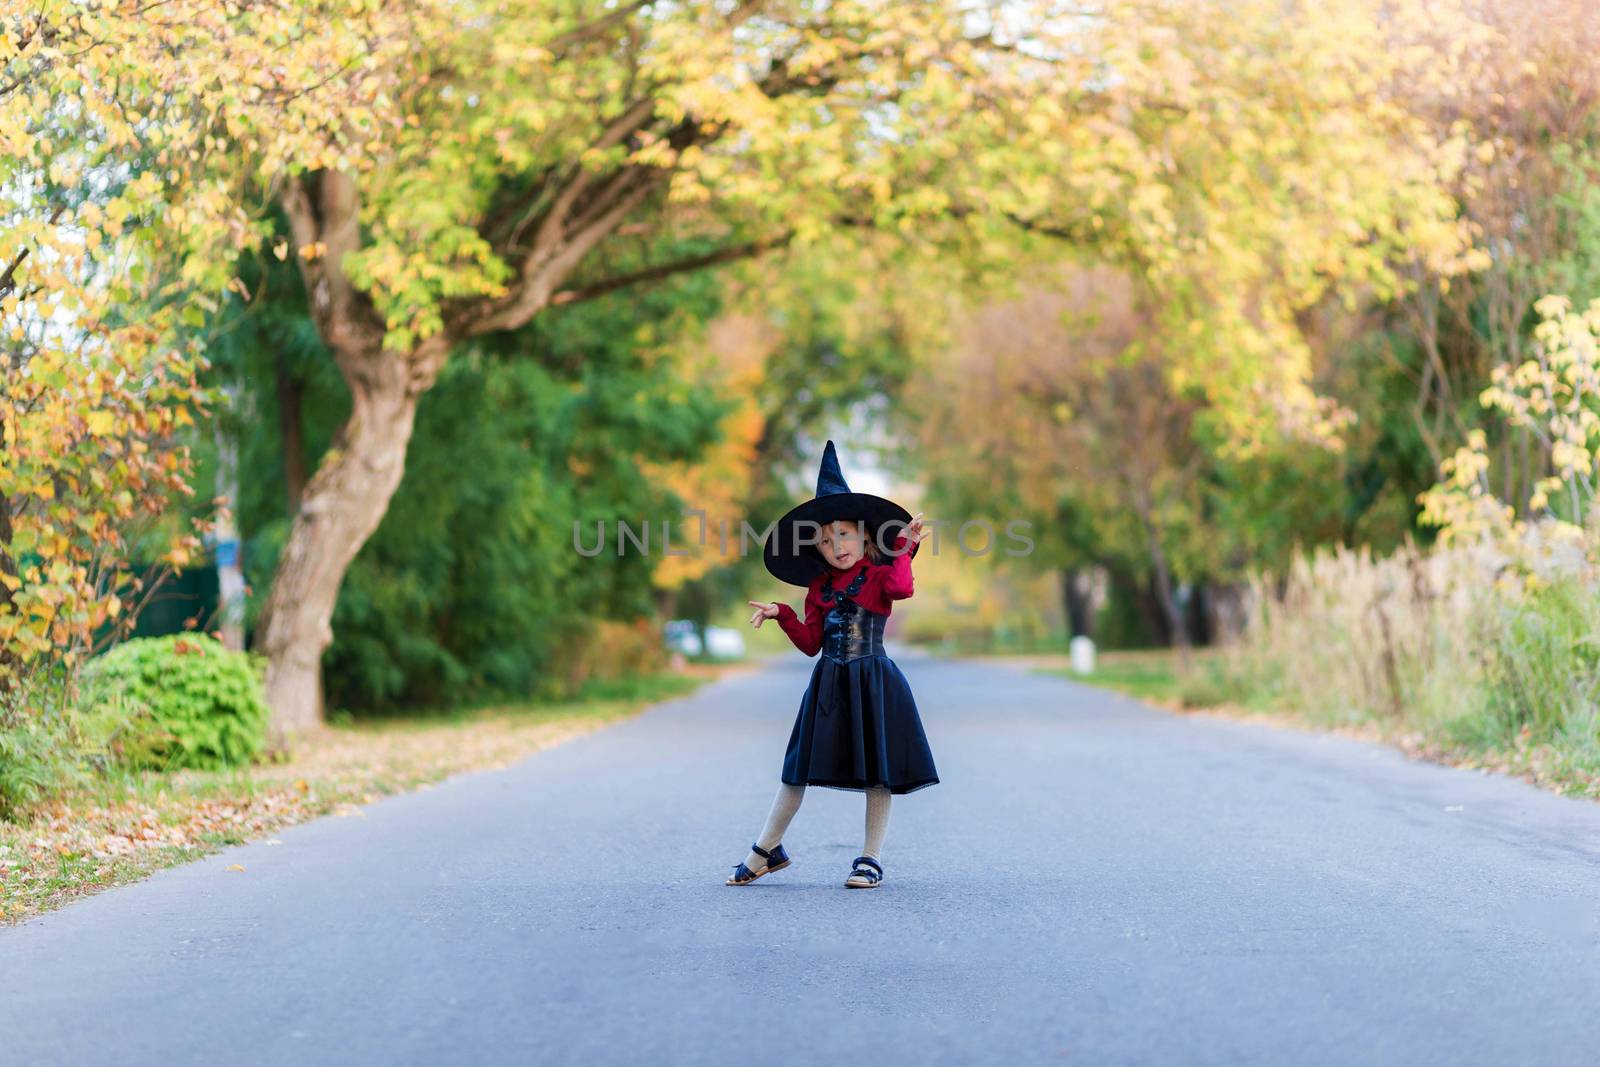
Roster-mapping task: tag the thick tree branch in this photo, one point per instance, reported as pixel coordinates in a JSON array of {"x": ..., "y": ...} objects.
[
  {"x": 587, "y": 205},
  {"x": 590, "y": 30},
  {"x": 1046, "y": 229},
  {"x": 546, "y": 266},
  {"x": 664, "y": 270},
  {"x": 505, "y": 226},
  {"x": 633, "y": 119},
  {"x": 324, "y": 223}
]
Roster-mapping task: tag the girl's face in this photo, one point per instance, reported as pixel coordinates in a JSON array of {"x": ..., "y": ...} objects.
[{"x": 842, "y": 543}]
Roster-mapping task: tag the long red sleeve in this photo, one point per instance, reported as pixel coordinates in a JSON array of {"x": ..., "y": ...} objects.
[
  {"x": 807, "y": 636},
  {"x": 885, "y": 584}
]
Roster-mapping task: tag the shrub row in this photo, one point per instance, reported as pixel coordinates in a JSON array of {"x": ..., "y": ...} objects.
[{"x": 159, "y": 703}]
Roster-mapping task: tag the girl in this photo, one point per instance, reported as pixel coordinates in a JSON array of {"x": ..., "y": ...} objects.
[{"x": 858, "y": 726}]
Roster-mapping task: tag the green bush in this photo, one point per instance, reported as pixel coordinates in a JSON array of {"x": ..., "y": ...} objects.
[{"x": 186, "y": 701}]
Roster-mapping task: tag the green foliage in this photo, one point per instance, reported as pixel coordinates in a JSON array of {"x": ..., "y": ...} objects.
[
  {"x": 1123, "y": 621},
  {"x": 1429, "y": 644},
  {"x": 471, "y": 589},
  {"x": 39, "y": 749},
  {"x": 1576, "y": 269},
  {"x": 185, "y": 699},
  {"x": 1543, "y": 677},
  {"x": 1142, "y": 675},
  {"x": 1207, "y": 685},
  {"x": 49, "y": 741},
  {"x": 1158, "y": 676},
  {"x": 34, "y": 758}
]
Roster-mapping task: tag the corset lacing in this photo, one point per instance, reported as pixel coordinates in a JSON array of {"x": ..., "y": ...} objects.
[{"x": 849, "y": 631}]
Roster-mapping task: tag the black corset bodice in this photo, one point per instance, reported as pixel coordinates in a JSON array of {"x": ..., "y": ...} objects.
[{"x": 850, "y": 631}]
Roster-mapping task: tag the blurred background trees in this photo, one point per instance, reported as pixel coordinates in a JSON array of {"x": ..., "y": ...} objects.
[{"x": 1191, "y": 287}]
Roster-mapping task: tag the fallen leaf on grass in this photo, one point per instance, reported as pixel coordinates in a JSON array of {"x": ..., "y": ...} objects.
[{"x": 235, "y": 867}]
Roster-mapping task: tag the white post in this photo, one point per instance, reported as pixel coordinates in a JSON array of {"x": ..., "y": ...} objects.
[{"x": 1082, "y": 649}]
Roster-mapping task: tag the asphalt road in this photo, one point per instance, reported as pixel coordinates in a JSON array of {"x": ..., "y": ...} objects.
[{"x": 1091, "y": 882}]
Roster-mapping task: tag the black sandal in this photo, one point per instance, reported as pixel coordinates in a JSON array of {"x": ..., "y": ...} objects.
[
  {"x": 866, "y": 873},
  {"x": 777, "y": 860}
]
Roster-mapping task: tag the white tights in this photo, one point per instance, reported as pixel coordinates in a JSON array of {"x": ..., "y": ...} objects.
[{"x": 787, "y": 802}]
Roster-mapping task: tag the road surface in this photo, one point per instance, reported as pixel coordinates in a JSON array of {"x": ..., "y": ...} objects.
[{"x": 1092, "y": 882}]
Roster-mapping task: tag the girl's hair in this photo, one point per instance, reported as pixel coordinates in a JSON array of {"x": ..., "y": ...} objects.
[{"x": 872, "y": 544}]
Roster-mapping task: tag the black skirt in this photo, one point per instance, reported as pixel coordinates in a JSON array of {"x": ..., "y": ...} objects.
[{"x": 857, "y": 727}]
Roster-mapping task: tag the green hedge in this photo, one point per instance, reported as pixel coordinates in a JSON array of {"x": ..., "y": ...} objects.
[{"x": 186, "y": 701}]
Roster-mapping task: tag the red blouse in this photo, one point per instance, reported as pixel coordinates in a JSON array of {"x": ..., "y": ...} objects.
[{"x": 886, "y": 582}]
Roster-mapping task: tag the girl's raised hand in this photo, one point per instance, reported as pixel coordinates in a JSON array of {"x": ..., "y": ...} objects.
[
  {"x": 914, "y": 529},
  {"x": 762, "y": 613}
]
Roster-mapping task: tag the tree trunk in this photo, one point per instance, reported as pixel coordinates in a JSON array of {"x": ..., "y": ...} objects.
[
  {"x": 1225, "y": 611},
  {"x": 1200, "y": 615},
  {"x": 290, "y": 391},
  {"x": 346, "y": 498},
  {"x": 340, "y": 507},
  {"x": 1076, "y": 600},
  {"x": 1176, "y": 630},
  {"x": 1132, "y": 589},
  {"x": 8, "y": 567}
]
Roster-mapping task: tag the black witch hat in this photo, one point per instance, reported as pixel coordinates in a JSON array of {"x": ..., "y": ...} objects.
[{"x": 791, "y": 551}]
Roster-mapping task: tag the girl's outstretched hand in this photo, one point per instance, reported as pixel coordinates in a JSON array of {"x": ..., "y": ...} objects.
[
  {"x": 762, "y": 613},
  {"x": 914, "y": 529}
]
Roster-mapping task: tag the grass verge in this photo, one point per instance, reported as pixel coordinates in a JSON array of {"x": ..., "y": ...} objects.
[
  {"x": 131, "y": 824},
  {"x": 1154, "y": 677},
  {"x": 1150, "y": 675}
]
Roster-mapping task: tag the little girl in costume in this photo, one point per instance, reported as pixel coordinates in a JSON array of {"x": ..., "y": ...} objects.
[{"x": 858, "y": 726}]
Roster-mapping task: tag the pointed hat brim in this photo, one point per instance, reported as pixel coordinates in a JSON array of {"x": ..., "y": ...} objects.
[{"x": 789, "y": 560}]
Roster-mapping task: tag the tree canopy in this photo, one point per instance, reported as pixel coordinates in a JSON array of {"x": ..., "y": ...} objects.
[{"x": 449, "y": 172}]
